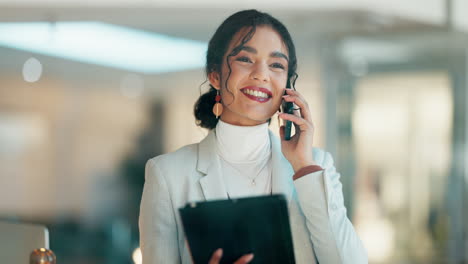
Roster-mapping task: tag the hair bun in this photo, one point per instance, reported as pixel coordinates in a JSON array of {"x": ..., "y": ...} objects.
[{"x": 203, "y": 109}]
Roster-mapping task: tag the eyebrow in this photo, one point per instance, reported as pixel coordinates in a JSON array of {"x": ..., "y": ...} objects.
[{"x": 274, "y": 54}]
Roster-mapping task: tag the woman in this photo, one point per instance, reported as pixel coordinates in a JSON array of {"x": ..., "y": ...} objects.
[{"x": 250, "y": 58}]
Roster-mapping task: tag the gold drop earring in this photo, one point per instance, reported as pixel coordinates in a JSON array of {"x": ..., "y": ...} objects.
[{"x": 218, "y": 107}]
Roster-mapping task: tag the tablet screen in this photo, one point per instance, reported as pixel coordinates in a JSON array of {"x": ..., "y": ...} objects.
[{"x": 258, "y": 225}]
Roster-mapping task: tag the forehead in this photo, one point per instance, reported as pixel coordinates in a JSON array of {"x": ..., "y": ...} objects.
[{"x": 265, "y": 38}]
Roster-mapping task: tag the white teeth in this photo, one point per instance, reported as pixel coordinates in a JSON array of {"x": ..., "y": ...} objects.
[{"x": 256, "y": 93}]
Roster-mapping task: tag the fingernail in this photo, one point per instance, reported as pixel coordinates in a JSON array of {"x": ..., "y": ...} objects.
[
  {"x": 249, "y": 257},
  {"x": 219, "y": 252}
]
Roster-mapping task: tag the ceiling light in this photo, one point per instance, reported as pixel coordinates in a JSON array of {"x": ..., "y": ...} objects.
[{"x": 106, "y": 45}]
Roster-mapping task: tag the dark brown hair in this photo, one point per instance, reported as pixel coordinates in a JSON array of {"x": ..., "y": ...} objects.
[{"x": 218, "y": 46}]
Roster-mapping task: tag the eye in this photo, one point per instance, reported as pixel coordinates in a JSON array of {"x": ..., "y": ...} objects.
[
  {"x": 243, "y": 59},
  {"x": 278, "y": 65}
]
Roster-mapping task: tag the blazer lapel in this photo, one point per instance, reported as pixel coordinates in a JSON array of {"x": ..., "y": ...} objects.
[
  {"x": 212, "y": 183},
  {"x": 282, "y": 172}
]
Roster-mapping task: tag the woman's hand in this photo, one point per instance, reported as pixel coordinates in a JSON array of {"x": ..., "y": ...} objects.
[
  {"x": 216, "y": 257},
  {"x": 298, "y": 150}
]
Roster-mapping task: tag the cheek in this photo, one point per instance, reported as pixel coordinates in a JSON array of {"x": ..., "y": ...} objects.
[
  {"x": 235, "y": 75},
  {"x": 277, "y": 103},
  {"x": 239, "y": 74},
  {"x": 279, "y": 92},
  {"x": 281, "y": 79},
  {"x": 280, "y": 86}
]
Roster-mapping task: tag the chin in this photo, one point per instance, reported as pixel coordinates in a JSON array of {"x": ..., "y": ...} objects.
[{"x": 259, "y": 113}]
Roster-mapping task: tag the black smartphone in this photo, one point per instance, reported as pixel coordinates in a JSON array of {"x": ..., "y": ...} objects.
[{"x": 287, "y": 107}]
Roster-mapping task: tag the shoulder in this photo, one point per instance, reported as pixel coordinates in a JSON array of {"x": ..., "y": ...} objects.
[
  {"x": 171, "y": 166},
  {"x": 170, "y": 171},
  {"x": 183, "y": 155}
]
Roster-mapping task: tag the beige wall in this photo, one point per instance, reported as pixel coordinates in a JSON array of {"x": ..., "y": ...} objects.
[
  {"x": 68, "y": 134},
  {"x": 57, "y": 138}
]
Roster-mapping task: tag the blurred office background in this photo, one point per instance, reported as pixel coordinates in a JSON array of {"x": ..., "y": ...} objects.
[{"x": 85, "y": 101}]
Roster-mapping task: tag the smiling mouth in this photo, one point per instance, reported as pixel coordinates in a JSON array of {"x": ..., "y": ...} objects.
[{"x": 256, "y": 94}]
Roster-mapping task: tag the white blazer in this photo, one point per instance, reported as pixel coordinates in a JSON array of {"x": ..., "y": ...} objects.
[{"x": 321, "y": 231}]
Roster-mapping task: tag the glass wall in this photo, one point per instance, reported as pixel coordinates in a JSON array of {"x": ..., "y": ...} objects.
[{"x": 400, "y": 130}]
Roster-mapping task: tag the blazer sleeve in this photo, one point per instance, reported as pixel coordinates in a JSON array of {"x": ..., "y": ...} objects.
[
  {"x": 331, "y": 232},
  {"x": 158, "y": 229}
]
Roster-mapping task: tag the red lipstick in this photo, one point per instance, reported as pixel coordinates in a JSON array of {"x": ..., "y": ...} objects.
[{"x": 258, "y": 94}]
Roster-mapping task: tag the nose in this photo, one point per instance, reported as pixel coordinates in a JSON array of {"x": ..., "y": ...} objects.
[{"x": 260, "y": 72}]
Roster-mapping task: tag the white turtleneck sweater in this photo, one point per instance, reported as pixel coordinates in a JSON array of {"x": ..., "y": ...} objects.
[{"x": 245, "y": 158}]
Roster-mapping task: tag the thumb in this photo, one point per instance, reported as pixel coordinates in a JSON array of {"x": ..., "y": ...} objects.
[{"x": 281, "y": 130}]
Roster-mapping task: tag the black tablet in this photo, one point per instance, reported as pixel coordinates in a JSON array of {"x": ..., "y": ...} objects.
[{"x": 258, "y": 225}]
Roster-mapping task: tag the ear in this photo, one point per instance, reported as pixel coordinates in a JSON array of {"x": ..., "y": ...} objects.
[{"x": 214, "y": 79}]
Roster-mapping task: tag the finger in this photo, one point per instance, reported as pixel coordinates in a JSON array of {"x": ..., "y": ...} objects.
[
  {"x": 302, "y": 124},
  {"x": 216, "y": 257},
  {"x": 282, "y": 133},
  {"x": 297, "y": 129},
  {"x": 294, "y": 92},
  {"x": 245, "y": 259},
  {"x": 299, "y": 100},
  {"x": 297, "y": 113},
  {"x": 301, "y": 104}
]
